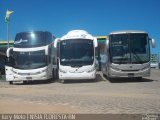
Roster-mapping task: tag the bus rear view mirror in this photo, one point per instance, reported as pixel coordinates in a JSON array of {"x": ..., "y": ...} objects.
[
  {"x": 46, "y": 51},
  {"x": 95, "y": 42},
  {"x": 56, "y": 42},
  {"x": 107, "y": 43},
  {"x": 153, "y": 43}
]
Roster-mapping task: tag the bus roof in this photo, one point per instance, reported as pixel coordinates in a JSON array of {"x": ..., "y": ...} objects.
[
  {"x": 74, "y": 34},
  {"x": 29, "y": 32},
  {"x": 128, "y": 31},
  {"x": 33, "y": 39}
]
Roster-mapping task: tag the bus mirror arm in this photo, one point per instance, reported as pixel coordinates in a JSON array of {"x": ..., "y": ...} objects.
[{"x": 8, "y": 51}]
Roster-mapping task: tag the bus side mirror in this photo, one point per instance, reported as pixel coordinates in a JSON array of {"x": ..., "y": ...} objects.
[
  {"x": 95, "y": 42},
  {"x": 153, "y": 43},
  {"x": 8, "y": 52},
  {"x": 107, "y": 43},
  {"x": 46, "y": 50},
  {"x": 56, "y": 42}
]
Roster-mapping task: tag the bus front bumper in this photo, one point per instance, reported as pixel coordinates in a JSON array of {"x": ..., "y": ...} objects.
[
  {"x": 16, "y": 77},
  {"x": 113, "y": 73},
  {"x": 77, "y": 76}
]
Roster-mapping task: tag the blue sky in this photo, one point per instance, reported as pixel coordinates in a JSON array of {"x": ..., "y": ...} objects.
[{"x": 98, "y": 17}]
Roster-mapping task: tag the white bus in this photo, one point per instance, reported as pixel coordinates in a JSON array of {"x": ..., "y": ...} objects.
[
  {"x": 76, "y": 56},
  {"x": 32, "y": 57},
  {"x": 127, "y": 54}
]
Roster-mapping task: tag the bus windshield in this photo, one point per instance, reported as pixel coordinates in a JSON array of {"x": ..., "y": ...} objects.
[
  {"x": 76, "y": 52},
  {"x": 32, "y": 39},
  {"x": 29, "y": 60},
  {"x": 129, "y": 48}
]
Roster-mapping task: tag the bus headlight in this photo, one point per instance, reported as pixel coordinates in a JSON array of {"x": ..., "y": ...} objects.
[
  {"x": 35, "y": 73},
  {"x": 44, "y": 70},
  {"x": 91, "y": 70},
  {"x": 14, "y": 72},
  {"x": 114, "y": 68},
  {"x": 146, "y": 68},
  {"x": 60, "y": 70}
]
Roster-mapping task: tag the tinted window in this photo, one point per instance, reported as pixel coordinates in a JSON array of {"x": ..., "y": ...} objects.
[
  {"x": 32, "y": 39},
  {"x": 129, "y": 48},
  {"x": 77, "y": 52}
]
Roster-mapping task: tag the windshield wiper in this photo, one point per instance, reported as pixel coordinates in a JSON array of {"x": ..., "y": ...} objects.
[{"x": 138, "y": 59}]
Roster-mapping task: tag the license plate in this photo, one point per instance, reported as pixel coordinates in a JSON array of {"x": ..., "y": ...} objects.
[
  {"x": 130, "y": 74},
  {"x": 29, "y": 78}
]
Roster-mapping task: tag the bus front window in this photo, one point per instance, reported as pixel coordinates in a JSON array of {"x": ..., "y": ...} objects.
[
  {"x": 129, "y": 48},
  {"x": 29, "y": 60},
  {"x": 77, "y": 52},
  {"x": 119, "y": 49},
  {"x": 139, "y": 48}
]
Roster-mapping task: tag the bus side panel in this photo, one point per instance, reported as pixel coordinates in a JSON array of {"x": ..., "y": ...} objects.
[{"x": 9, "y": 73}]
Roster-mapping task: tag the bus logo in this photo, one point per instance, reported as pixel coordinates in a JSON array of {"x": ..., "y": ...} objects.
[{"x": 20, "y": 41}]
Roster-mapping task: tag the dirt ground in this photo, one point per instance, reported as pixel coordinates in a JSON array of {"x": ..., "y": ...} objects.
[
  {"x": 119, "y": 96},
  {"x": 10, "y": 106}
]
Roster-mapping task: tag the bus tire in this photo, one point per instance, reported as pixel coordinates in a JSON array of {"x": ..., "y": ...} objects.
[
  {"x": 25, "y": 82},
  {"x": 139, "y": 78},
  {"x": 57, "y": 75},
  {"x": 104, "y": 75},
  {"x": 53, "y": 75},
  {"x": 11, "y": 82},
  {"x": 94, "y": 80},
  {"x": 61, "y": 81},
  {"x": 108, "y": 78}
]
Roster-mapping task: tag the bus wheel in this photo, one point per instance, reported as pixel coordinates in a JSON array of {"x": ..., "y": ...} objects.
[
  {"x": 61, "y": 81},
  {"x": 25, "y": 82},
  {"x": 104, "y": 75},
  {"x": 57, "y": 75},
  {"x": 139, "y": 78},
  {"x": 108, "y": 78},
  {"x": 53, "y": 76},
  {"x": 11, "y": 82},
  {"x": 95, "y": 80}
]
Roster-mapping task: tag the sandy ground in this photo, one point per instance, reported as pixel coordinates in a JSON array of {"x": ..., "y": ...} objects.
[
  {"x": 102, "y": 97},
  {"x": 10, "y": 106}
]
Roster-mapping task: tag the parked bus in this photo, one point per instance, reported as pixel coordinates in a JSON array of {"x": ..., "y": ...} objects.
[
  {"x": 127, "y": 54},
  {"x": 76, "y": 56},
  {"x": 32, "y": 57}
]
